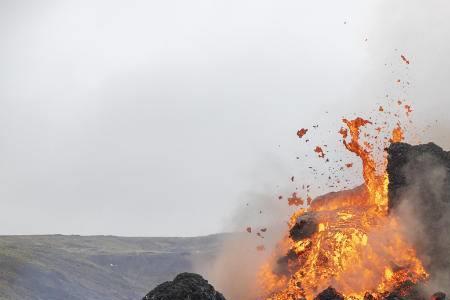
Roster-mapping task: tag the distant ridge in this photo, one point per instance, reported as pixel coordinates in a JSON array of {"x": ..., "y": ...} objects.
[{"x": 55, "y": 267}]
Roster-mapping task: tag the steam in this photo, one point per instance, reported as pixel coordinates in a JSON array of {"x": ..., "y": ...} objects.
[
  {"x": 235, "y": 270},
  {"x": 423, "y": 205},
  {"x": 395, "y": 29}
]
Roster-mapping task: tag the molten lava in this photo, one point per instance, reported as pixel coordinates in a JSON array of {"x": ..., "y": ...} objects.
[{"x": 351, "y": 244}]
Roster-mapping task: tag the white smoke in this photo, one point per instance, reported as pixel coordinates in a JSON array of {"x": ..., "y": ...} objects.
[{"x": 235, "y": 271}]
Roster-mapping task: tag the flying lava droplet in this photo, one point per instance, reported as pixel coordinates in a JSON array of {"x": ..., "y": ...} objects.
[
  {"x": 404, "y": 59},
  {"x": 302, "y": 132}
]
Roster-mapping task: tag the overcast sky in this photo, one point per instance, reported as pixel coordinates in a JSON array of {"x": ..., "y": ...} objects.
[{"x": 165, "y": 117}]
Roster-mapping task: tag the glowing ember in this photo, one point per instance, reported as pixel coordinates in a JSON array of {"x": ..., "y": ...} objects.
[
  {"x": 319, "y": 151},
  {"x": 345, "y": 240},
  {"x": 295, "y": 200},
  {"x": 343, "y": 132},
  {"x": 302, "y": 132},
  {"x": 397, "y": 134},
  {"x": 408, "y": 109}
]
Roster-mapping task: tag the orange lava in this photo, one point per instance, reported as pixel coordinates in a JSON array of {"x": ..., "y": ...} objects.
[
  {"x": 319, "y": 151},
  {"x": 408, "y": 109},
  {"x": 295, "y": 200},
  {"x": 357, "y": 247},
  {"x": 302, "y": 132},
  {"x": 397, "y": 135}
]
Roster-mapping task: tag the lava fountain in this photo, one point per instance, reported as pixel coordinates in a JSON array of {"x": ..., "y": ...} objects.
[{"x": 346, "y": 240}]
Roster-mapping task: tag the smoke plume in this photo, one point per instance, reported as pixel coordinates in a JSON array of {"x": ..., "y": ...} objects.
[{"x": 235, "y": 269}]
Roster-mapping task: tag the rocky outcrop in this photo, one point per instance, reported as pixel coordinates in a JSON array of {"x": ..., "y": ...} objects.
[
  {"x": 439, "y": 296},
  {"x": 419, "y": 193},
  {"x": 185, "y": 286},
  {"x": 329, "y": 294},
  {"x": 422, "y": 168},
  {"x": 304, "y": 228}
]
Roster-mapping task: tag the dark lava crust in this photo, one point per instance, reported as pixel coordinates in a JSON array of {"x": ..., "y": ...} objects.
[{"x": 185, "y": 286}]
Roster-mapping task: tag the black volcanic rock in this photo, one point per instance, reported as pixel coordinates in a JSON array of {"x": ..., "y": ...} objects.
[
  {"x": 305, "y": 227},
  {"x": 407, "y": 290},
  {"x": 282, "y": 266},
  {"x": 369, "y": 296},
  {"x": 426, "y": 166},
  {"x": 419, "y": 193},
  {"x": 329, "y": 294},
  {"x": 185, "y": 286},
  {"x": 439, "y": 296}
]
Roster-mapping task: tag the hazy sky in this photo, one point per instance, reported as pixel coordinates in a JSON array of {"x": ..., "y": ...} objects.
[{"x": 163, "y": 117}]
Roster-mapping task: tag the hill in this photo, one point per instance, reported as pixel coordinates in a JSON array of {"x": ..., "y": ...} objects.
[{"x": 56, "y": 267}]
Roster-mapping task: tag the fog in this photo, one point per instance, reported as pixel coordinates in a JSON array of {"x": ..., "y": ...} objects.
[{"x": 165, "y": 118}]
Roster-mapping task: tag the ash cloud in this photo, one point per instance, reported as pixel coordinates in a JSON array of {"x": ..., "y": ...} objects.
[{"x": 419, "y": 192}]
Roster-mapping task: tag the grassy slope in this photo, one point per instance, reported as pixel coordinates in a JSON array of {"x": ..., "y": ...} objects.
[{"x": 98, "y": 267}]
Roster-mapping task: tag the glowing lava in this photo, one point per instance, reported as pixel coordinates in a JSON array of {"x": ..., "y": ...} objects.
[{"x": 356, "y": 247}]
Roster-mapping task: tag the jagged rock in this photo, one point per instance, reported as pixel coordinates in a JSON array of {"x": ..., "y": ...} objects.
[
  {"x": 369, "y": 296},
  {"x": 407, "y": 290},
  {"x": 419, "y": 193},
  {"x": 329, "y": 294},
  {"x": 282, "y": 266},
  {"x": 439, "y": 296},
  {"x": 421, "y": 166},
  {"x": 305, "y": 227},
  {"x": 185, "y": 286}
]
